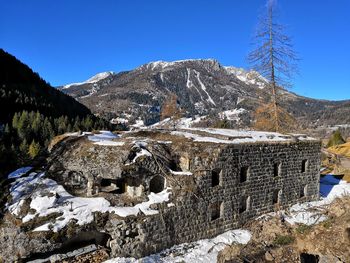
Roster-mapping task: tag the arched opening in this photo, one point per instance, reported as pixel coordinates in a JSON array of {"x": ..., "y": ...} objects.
[{"x": 156, "y": 184}]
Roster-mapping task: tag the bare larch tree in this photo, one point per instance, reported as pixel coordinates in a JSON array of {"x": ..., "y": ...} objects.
[
  {"x": 170, "y": 109},
  {"x": 275, "y": 59}
]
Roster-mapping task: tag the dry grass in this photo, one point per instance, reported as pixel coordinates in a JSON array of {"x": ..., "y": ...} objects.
[
  {"x": 346, "y": 177},
  {"x": 56, "y": 140},
  {"x": 342, "y": 149}
]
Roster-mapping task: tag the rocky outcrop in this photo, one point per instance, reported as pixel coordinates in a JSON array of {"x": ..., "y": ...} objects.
[{"x": 16, "y": 243}]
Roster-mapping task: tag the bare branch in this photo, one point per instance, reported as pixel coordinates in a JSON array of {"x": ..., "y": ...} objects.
[{"x": 275, "y": 59}]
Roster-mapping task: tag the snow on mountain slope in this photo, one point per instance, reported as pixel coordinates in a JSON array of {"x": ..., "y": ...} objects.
[
  {"x": 249, "y": 77},
  {"x": 202, "y": 86},
  {"x": 91, "y": 80},
  {"x": 232, "y": 115},
  {"x": 165, "y": 65}
]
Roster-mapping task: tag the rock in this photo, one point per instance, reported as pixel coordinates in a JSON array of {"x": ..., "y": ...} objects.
[{"x": 268, "y": 256}]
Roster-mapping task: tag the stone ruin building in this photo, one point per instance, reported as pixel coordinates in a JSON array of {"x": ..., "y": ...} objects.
[{"x": 217, "y": 179}]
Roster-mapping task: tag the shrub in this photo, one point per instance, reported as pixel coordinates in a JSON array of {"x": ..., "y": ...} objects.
[
  {"x": 281, "y": 240},
  {"x": 303, "y": 229},
  {"x": 327, "y": 224},
  {"x": 336, "y": 139}
]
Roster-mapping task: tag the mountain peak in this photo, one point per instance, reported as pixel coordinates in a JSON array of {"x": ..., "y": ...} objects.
[
  {"x": 100, "y": 76},
  {"x": 91, "y": 80},
  {"x": 160, "y": 65}
]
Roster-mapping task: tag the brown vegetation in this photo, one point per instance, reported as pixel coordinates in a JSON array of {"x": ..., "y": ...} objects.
[
  {"x": 266, "y": 119},
  {"x": 276, "y": 241}
]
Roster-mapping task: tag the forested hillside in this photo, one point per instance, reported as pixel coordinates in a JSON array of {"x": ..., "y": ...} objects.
[
  {"x": 22, "y": 89},
  {"x": 32, "y": 112}
]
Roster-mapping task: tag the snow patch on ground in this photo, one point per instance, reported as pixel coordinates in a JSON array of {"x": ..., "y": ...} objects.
[
  {"x": 181, "y": 173},
  {"x": 142, "y": 152},
  {"x": 138, "y": 124},
  {"x": 205, "y": 250},
  {"x": 119, "y": 120},
  {"x": 237, "y": 136},
  {"x": 102, "y": 136},
  {"x": 188, "y": 122},
  {"x": 19, "y": 172},
  {"x": 232, "y": 115},
  {"x": 109, "y": 143},
  {"x": 105, "y": 138},
  {"x": 180, "y": 123},
  {"x": 48, "y": 197}
]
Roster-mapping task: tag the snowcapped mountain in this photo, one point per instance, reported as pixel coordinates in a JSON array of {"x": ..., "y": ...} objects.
[
  {"x": 249, "y": 77},
  {"x": 94, "y": 79},
  {"x": 202, "y": 86},
  {"x": 89, "y": 87}
]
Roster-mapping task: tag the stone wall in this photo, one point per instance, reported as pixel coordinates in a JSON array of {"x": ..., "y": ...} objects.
[{"x": 236, "y": 182}]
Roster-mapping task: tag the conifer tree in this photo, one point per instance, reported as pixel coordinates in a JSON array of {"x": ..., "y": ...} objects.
[
  {"x": 23, "y": 128},
  {"x": 36, "y": 123},
  {"x": 34, "y": 149},
  {"x": 24, "y": 146},
  {"x": 15, "y": 120}
]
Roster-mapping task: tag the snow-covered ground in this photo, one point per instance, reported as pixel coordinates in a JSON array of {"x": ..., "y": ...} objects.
[
  {"x": 102, "y": 136},
  {"x": 48, "y": 197},
  {"x": 232, "y": 115},
  {"x": 205, "y": 250},
  {"x": 19, "y": 172},
  {"x": 105, "y": 138},
  {"x": 138, "y": 124},
  {"x": 236, "y": 136},
  {"x": 120, "y": 120},
  {"x": 109, "y": 143}
]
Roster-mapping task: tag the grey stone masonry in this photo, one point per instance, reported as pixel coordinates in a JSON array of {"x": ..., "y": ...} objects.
[{"x": 230, "y": 185}]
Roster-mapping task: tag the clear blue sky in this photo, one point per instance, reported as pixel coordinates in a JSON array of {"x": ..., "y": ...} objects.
[{"x": 71, "y": 40}]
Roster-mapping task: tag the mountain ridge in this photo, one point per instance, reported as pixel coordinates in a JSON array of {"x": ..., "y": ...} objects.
[
  {"x": 23, "y": 89},
  {"x": 203, "y": 87}
]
